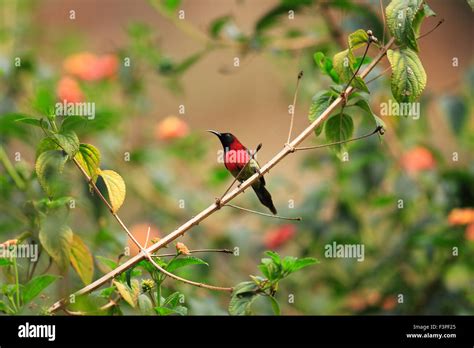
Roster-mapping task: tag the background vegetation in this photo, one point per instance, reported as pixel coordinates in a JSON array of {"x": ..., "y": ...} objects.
[{"x": 409, "y": 199}]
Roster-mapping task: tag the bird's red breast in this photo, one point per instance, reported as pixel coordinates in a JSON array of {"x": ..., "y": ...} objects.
[{"x": 236, "y": 156}]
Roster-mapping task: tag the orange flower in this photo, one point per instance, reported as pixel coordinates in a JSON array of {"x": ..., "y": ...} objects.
[
  {"x": 461, "y": 216},
  {"x": 140, "y": 232},
  {"x": 182, "y": 249},
  {"x": 417, "y": 159},
  {"x": 69, "y": 90},
  {"x": 389, "y": 303},
  {"x": 90, "y": 67},
  {"x": 356, "y": 302},
  {"x": 373, "y": 297},
  {"x": 277, "y": 237},
  {"x": 470, "y": 232},
  {"x": 171, "y": 127}
]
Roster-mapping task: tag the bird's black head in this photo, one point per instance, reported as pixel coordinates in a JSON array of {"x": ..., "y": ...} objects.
[{"x": 226, "y": 138}]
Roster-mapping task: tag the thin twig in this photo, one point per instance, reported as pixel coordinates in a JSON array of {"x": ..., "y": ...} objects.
[
  {"x": 431, "y": 30},
  {"x": 360, "y": 65},
  {"x": 379, "y": 75},
  {"x": 225, "y": 251},
  {"x": 187, "y": 281},
  {"x": 376, "y": 130},
  {"x": 383, "y": 18},
  {"x": 263, "y": 214},
  {"x": 195, "y": 220},
  {"x": 300, "y": 75},
  {"x": 147, "y": 237}
]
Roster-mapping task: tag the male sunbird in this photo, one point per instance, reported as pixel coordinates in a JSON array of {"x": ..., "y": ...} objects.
[{"x": 236, "y": 157}]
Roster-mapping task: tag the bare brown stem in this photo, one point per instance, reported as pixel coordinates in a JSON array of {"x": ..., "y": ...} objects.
[
  {"x": 225, "y": 251},
  {"x": 293, "y": 106},
  {"x": 263, "y": 214},
  {"x": 377, "y": 130}
]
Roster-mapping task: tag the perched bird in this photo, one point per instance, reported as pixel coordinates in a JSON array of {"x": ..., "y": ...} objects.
[{"x": 236, "y": 156}]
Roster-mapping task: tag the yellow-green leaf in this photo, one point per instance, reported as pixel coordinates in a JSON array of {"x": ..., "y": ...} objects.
[
  {"x": 57, "y": 240},
  {"x": 358, "y": 39},
  {"x": 400, "y": 15},
  {"x": 130, "y": 295},
  {"x": 408, "y": 75},
  {"x": 81, "y": 259},
  {"x": 115, "y": 188},
  {"x": 46, "y": 144},
  {"x": 48, "y": 167},
  {"x": 68, "y": 141},
  {"x": 343, "y": 64},
  {"x": 88, "y": 157}
]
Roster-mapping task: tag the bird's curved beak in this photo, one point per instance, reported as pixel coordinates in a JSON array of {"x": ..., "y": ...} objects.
[{"x": 214, "y": 132}]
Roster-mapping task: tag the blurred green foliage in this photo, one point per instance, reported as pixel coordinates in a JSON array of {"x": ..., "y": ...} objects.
[{"x": 416, "y": 261}]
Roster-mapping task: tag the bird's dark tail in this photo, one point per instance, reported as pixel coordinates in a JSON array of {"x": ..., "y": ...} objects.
[{"x": 264, "y": 197}]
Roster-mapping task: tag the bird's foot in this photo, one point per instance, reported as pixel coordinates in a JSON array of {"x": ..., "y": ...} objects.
[{"x": 218, "y": 202}]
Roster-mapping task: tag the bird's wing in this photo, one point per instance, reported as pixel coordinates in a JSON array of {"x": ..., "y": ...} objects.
[{"x": 256, "y": 167}]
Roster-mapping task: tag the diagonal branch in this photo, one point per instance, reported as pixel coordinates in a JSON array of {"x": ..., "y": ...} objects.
[
  {"x": 180, "y": 231},
  {"x": 143, "y": 250}
]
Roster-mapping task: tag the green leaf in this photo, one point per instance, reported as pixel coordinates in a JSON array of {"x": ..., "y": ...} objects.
[
  {"x": 68, "y": 141},
  {"x": 364, "y": 105},
  {"x": 275, "y": 305},
  {"x": 168, "y": 311},
  {"x": 187, "y": 63},
  {"x": 81, "y": 259},
  {"x": 358, "y": 39},
  {"x": 35, "y": 286},
  {"x": 274, "y": 256},
  {"x": 145, "y": 304},
  {"x": 399, "y": 16},
  {"x": 107, "y": 292},
  {"x": 53, "y": 204},
  {"x": 217, "y": 25},
  {"x": 4, "y": 307},
  {"x": 319, "y": 103},
  {"x": 129, "y": 294},
  {"x": 183, "y": 262},
  {"x": 408, "y": 75},
  {"x": 88, "y": 157},
  {"x": 46, "y": 144},
  {"x": 242, "y": 298},
  {"x": 343, "y": 64},
  {"x": 172, "y": 300},
  {"x": 471, "y": 3},
  {"x": 44, "y": 99},
  {"x": 425, "y": 11},
  {"x": 57, "y": 241},
  {"x": 359, "y": 83},
  {"x": 339, "y": 128},
  {"x": 30, "y": 120},
  {"x": 271, "y": 17},
  {"x": 5, "y": 262},
  {"x": 106, "y": 265},
  {"x": 456, "y": 112},
  {"x": 48, "y": 167},
  {"x": 171, "y": 5},
  {"x": 325, "y": 65},
  {"x": 304, "y": 262},
  {"x": 115, "y": 188}
]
